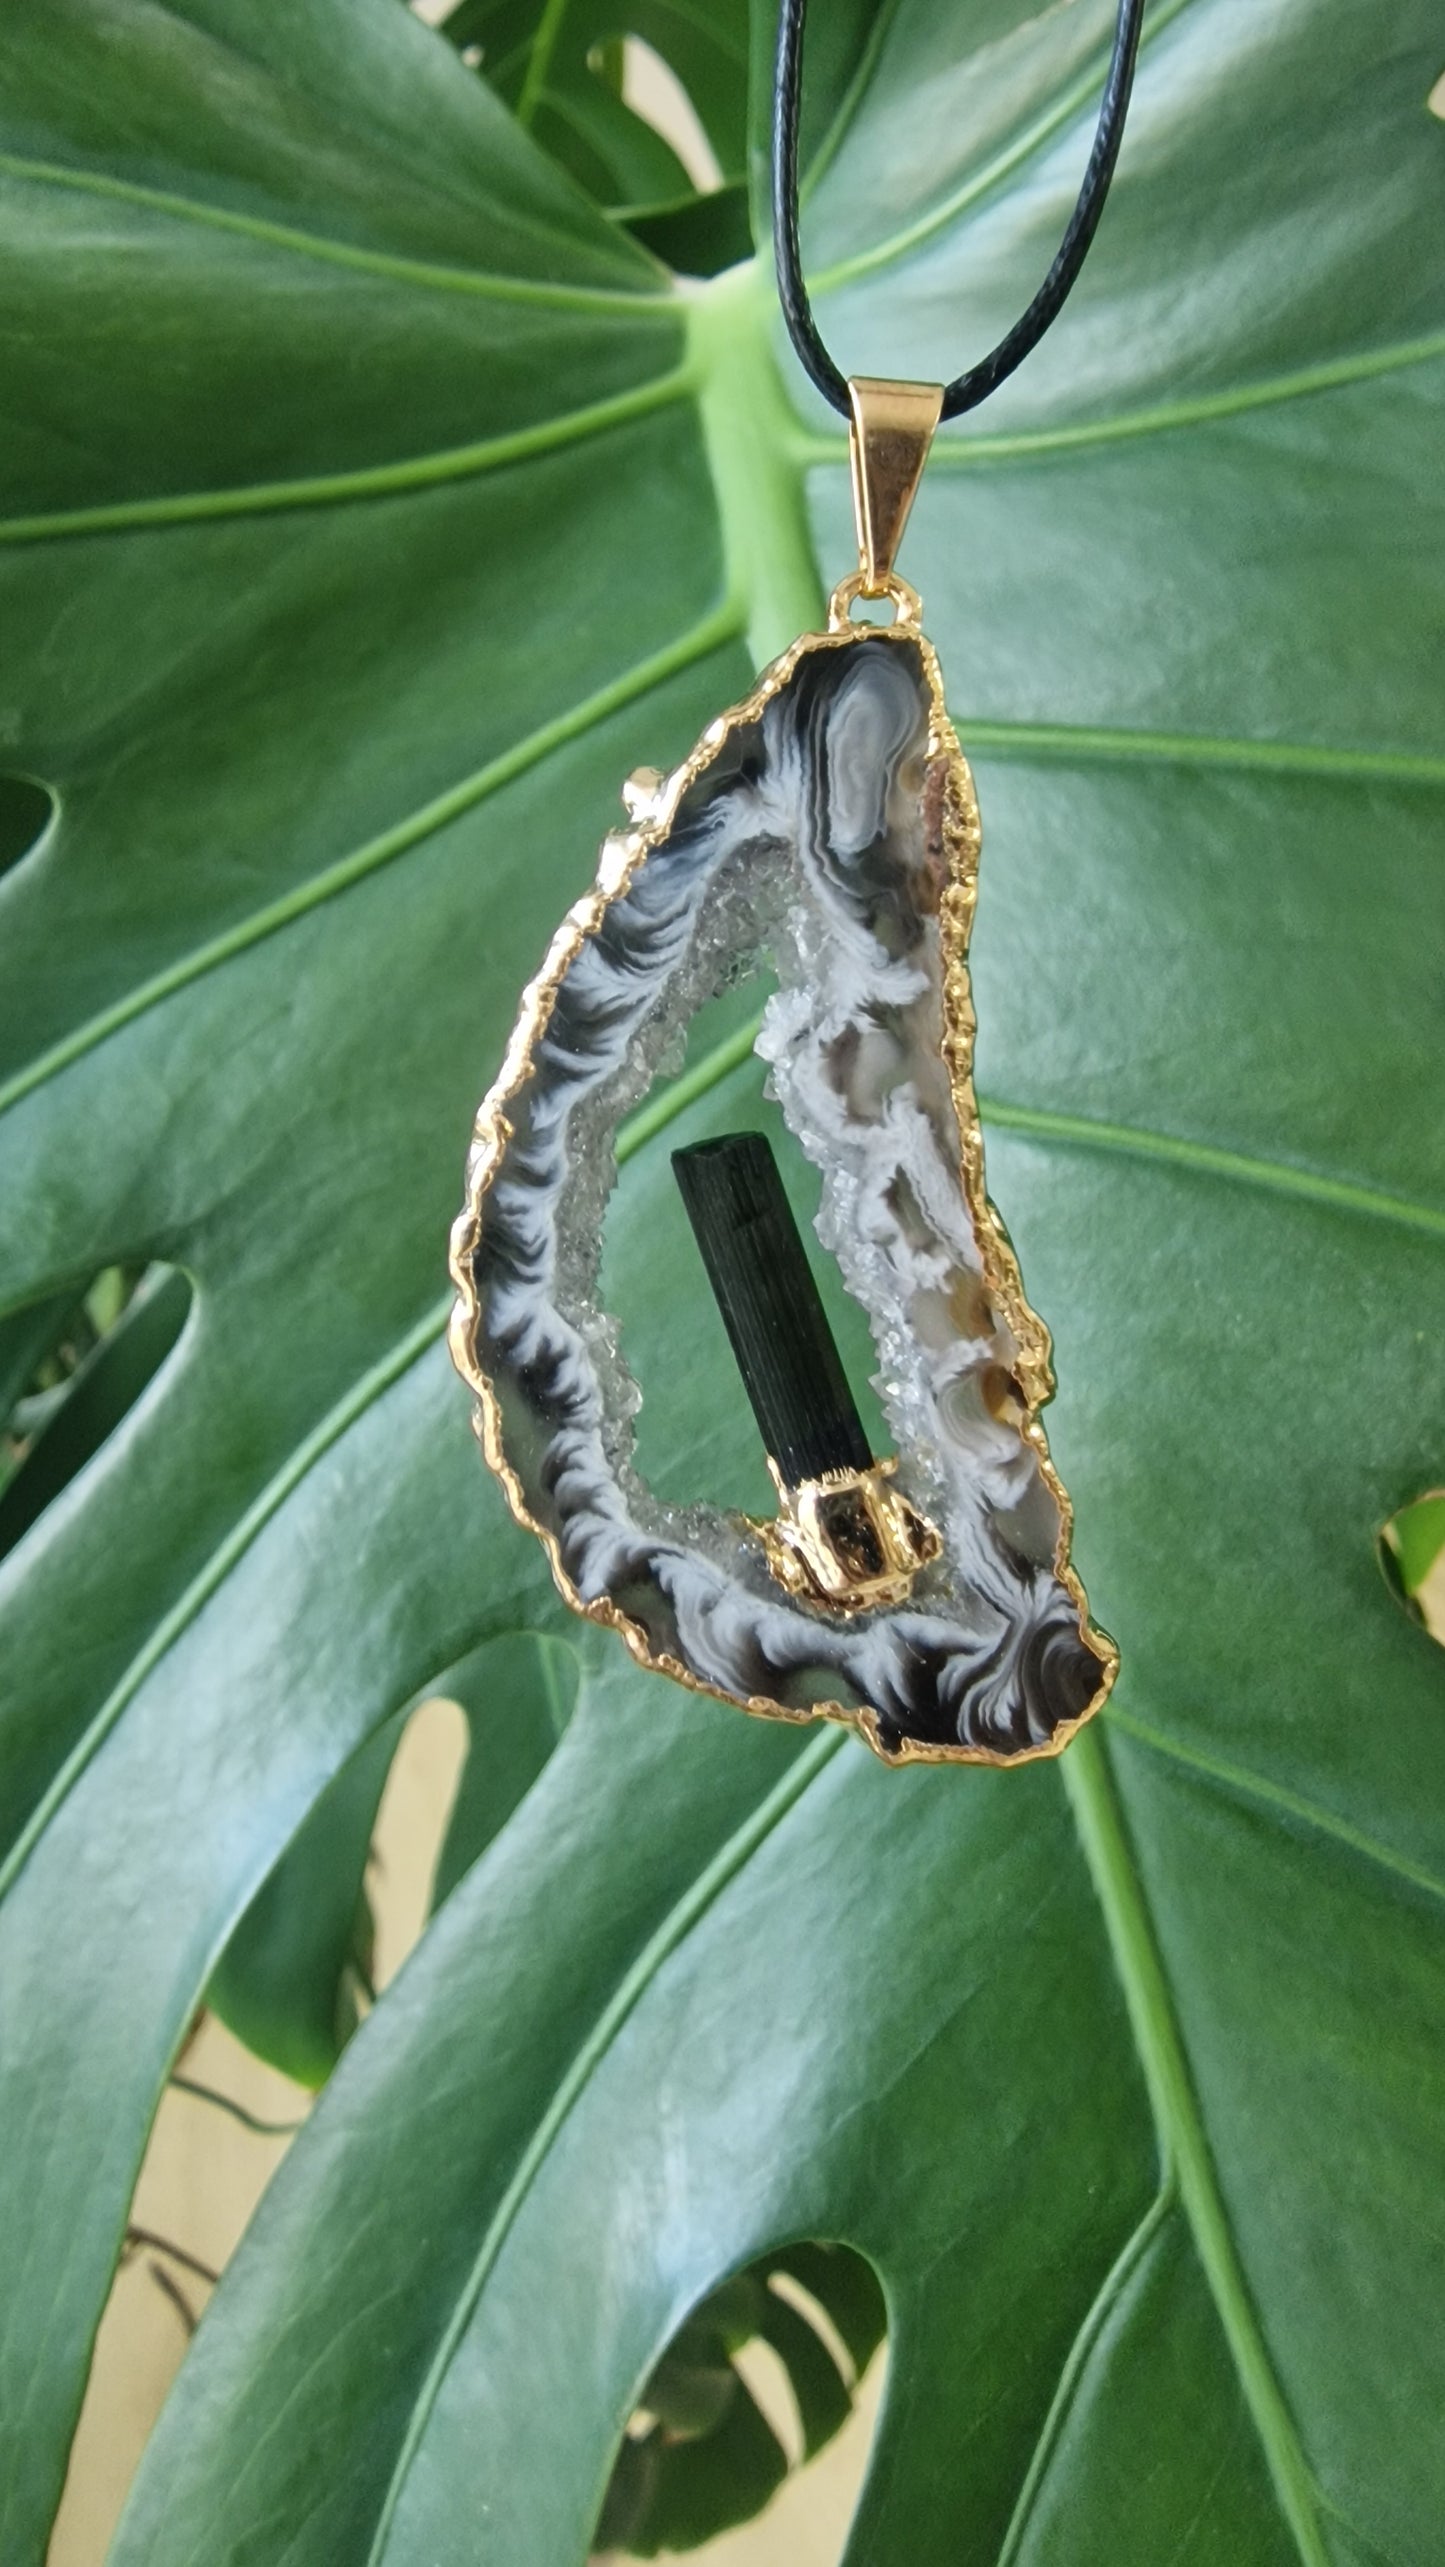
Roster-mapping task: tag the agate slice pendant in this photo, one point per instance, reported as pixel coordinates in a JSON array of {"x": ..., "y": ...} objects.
[{"x": 827, "y": 825}]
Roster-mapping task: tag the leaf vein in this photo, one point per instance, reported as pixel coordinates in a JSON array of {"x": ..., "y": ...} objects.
[
  {"x": 1096, "y": 2316},
  {"x": 1030, "y": 741},
  {"x": 1170, "y": 1149},
  {"x": 1233, "y": 1166},
  {"x": 1259, "y": 1787},
  {"x": 371, "y": 481},
  {"x": 1025, "y": 147},
  {"x": 965, "y": 452},
  {"x": 710, "y": 633},
  {"x": 433, "y": 274}
]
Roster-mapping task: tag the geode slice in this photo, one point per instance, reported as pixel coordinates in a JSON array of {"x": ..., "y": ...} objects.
[{"x": 829, "y": 824}]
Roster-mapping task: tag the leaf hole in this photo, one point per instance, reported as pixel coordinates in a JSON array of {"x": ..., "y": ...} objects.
[
  {"x": 224, "y": 2124},
  {"x": 771, "y": 2368},
  {"x": 409, "y": 1813},
  {"x": 299, "y": 1971},
  {"x": 72, "y": 1368},
  {"x": 26, "y": 811},
  {"x": 653, "y": 91},
  {"x": 1436, "y": 100},
  {"x": 1410, "y": 1546},
  {"x": 516, "y": 1695},
  {"x": 818, "y": 2315}
]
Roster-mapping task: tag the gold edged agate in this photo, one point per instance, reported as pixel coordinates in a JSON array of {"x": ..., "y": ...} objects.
[{"x": 652, "y": 799}]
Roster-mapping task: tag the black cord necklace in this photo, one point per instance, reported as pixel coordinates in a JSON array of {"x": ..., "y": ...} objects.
[
  {"x": 968, "y": 389},
  {"x": 826, "y": 826}
]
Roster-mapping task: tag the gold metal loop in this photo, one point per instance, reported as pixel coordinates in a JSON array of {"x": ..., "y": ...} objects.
[
  {"x": 847, "y": 1539},
  {"x": 889, "y": 435},
  {"x": 906, "y": 603}
]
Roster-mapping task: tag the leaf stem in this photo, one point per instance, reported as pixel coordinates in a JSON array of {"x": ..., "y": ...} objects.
[
  {"x": 539, "y": 60},
  {"x": 751, "y": 432},
  {"x": 167, "y": 2246},
  {"x": 227, "y": 2103},
  {"x": 1183, "y": 2144}
]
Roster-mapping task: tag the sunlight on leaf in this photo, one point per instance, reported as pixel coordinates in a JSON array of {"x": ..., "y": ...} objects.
[{"x": 653, "y": 91}]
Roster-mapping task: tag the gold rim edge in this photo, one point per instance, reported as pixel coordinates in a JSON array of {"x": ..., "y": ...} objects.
[{"x": 623, "y": 853}]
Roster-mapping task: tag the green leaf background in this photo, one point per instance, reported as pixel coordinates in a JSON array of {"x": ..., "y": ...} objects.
[{"x": 373, "y": 502}]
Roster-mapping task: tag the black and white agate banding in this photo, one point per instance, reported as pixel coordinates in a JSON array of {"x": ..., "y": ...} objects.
[{"x": 827, "y": 823}]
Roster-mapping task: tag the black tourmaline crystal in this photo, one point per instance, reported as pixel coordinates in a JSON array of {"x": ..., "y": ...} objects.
[{"x": 759, "y": 1271}]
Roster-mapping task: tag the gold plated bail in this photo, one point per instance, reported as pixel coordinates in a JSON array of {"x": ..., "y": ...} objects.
[{"x": 889, "y": 435}]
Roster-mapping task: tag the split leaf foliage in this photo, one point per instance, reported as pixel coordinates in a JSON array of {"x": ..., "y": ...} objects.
[{"x": 373, "y": 500}]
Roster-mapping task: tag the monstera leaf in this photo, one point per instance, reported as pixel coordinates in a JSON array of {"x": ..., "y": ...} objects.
[
  {"x": 372, "y": 506},
  {"x": 562, "y": 70}
]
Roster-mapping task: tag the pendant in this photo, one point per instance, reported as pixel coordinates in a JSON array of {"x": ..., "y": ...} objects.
[{"x": 828, "y": 824}]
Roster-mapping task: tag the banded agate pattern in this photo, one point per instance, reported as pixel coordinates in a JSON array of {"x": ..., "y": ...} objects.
[{"x": 829, "y": 826}]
